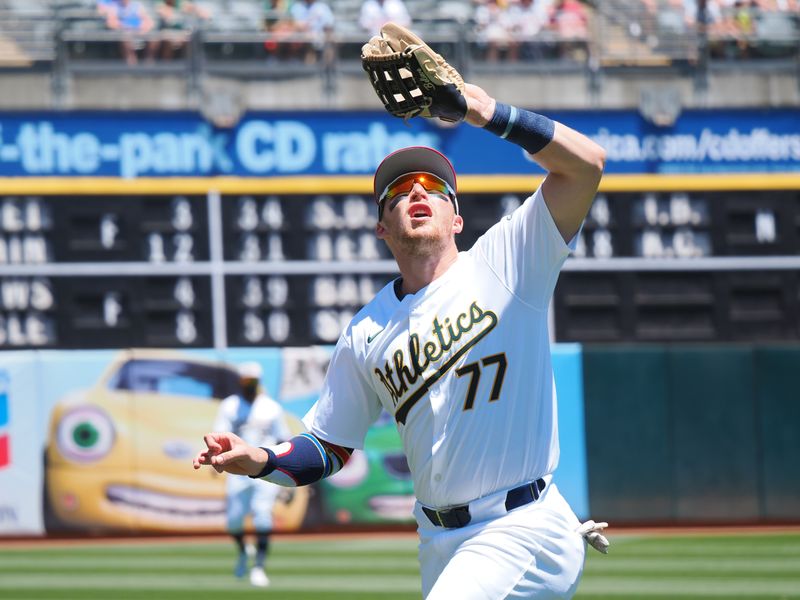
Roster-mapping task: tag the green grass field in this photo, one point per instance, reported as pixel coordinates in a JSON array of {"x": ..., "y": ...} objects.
[{"x": 741, "y": 566}]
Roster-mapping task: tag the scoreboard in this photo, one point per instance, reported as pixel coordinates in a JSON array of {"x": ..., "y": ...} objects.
[
  {"x": 287, "y": 262},
  {"x": 691, "y": 266}
]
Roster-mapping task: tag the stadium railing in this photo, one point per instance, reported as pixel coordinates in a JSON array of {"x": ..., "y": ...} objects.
[{"x": 73, "y": 40}]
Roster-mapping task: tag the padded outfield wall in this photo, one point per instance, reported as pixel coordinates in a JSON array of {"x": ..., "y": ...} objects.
[
  {"x": 649, "y": 435},
  {"x": 694, "y": 435},
  {"x": 100, "y": 441}
]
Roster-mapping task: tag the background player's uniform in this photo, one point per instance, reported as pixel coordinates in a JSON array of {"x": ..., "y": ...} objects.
[
  {"x": 261, "y": 423},
  {"x": 464, "y": 366}
]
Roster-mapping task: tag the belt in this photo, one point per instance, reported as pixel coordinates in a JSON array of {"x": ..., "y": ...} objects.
[{"x": 458, "y": 516}]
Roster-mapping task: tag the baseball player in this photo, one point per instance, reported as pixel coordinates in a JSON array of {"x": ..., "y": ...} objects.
[
  {"x": 457, "y": 350},
  {"x": 257, "y": 419}
]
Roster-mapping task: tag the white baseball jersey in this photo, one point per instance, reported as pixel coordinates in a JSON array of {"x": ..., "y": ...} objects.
[
  {"x": 259, "y": 424},
  {"x": 463, "y": 365}
]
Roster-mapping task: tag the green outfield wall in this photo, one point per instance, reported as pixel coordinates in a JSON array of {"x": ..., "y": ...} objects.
[{"x": 688, "y": 434}]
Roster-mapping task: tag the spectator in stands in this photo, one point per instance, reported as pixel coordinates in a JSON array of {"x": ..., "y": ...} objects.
[
  {"x": 529, "y": 18},
  {"x": 376, "y": 13},
  {"x": 278, "y": 23},
  {"x": 494, "y": 25},
  {"x": 730, "y": 22},
  {"x": 714, "y": 18},
  {"x": 132, "y": 19},
  {"x": 752, "y": 28},
  {"x": 742, "y": 18},
  {"x": 571, "y": 22},
  {"x": 719, "y": 27},
  {"x": 689, "y": 11},
  {"x": 106, "y": 6},
  {"x": 276, "y": 14},
  {"x": 314, "y": 19},
  {"x": 176, "y": 20}
]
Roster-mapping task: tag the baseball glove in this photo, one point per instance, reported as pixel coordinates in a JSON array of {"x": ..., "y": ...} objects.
[{"x": 411, "y": 79}]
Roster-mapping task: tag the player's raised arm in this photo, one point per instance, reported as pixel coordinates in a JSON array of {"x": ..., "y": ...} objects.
[
  {"x": 573, "y": 161},
  {"x": 412, "y": 80}
]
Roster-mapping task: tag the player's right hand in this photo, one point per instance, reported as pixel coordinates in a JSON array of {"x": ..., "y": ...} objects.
[{"x": 228, "y": 453}]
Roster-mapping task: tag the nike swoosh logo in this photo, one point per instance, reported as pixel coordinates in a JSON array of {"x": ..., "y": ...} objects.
[{"x": 374, "y": 335}]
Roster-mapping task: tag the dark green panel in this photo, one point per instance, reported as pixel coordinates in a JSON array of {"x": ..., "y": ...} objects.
[
  {"x": 714, "y": 433},
  {"x": 627, "y": 445},
  {"x": 778, "y": 401}
]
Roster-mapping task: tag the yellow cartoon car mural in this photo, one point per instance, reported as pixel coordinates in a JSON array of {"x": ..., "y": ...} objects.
[{"x": 118, "y": 455}]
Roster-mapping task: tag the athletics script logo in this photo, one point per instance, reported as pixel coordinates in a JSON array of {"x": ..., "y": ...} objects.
[{"x": 448, "y": 340}]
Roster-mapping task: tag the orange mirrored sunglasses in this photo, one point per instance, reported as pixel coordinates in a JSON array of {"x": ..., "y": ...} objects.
[{"x": 404, "y": 184}]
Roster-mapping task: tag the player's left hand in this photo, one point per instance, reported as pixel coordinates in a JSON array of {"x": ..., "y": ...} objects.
[
  {"x": 591, "y": 532},
  {"x": 410, "y": 78},
  {"x": 228, "y": 453}
]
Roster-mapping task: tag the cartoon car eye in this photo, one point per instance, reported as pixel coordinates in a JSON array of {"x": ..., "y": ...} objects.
[
  {"x": 85, "y": 434},
  {"x": 354, "y": 471}
]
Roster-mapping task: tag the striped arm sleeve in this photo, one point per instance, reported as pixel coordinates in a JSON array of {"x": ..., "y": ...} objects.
[{"x": 302, "y": 460}]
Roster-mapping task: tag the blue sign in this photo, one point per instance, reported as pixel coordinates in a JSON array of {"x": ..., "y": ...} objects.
[
  {"x": 143, "y": 144},
  {"x": 3, "y": 399},
  {"x": 5, "y": 438}
]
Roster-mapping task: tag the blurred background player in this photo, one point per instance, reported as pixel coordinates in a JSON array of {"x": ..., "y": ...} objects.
[
  {"x": 259, "y": 419},
  {"x": 135, "y": 22}
]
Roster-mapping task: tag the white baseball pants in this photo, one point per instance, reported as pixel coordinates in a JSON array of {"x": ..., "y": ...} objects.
[{"x": 531, "y": 552}]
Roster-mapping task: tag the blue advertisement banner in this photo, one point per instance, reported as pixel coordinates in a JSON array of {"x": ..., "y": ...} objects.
[{"x": 182, "y": 144}]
